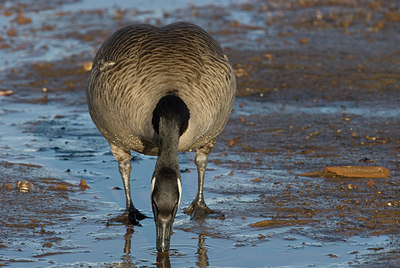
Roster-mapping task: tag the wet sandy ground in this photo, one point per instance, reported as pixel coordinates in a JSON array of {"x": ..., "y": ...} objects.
[{"x": 318, "y": 85}]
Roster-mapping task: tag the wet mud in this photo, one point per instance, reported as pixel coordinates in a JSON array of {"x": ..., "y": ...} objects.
[{"x": 318, "y": 86}]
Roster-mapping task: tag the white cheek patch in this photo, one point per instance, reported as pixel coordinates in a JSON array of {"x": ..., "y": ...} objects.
[
  {"x": 153, "y": 182},
  {"x": 179, "y": 189}
]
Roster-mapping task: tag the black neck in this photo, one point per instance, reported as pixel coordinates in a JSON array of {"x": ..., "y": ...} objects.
[
  {"x": 168, "y": 141},
  {"x": 170, "y": 121}
]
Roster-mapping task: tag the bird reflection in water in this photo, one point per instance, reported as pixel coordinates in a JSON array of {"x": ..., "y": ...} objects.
[
  {"x": 202, "y": 258},
  {"x": 128, "y": 236},
  {"x": 163, "y": 260},
  {"x": 126, "y": 258}
]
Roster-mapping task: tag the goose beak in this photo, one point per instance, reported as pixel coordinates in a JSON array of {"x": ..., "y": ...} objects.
[{"x": 163, "y": 229}]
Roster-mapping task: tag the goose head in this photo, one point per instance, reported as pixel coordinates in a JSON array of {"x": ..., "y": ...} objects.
[{"x": 165, "y": 197}]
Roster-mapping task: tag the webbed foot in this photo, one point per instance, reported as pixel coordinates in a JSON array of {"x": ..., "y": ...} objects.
[
  {"x": 199, "y": 210},
  {"x": 131, "y": 216}
]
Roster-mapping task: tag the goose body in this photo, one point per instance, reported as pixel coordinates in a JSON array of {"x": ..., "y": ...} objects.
[
  {"x": 139, "y": 64},
  {"x": 160, "y": 91}
]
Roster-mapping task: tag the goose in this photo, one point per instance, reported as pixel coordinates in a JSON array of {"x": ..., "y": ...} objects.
[{"x": 161, "y": 91}]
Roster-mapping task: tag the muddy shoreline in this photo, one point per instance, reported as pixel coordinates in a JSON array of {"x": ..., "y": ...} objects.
[{"x": 318, "y": 85}]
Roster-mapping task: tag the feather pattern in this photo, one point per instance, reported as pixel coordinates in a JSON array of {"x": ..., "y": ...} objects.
[{"x": 139, "y": 64}]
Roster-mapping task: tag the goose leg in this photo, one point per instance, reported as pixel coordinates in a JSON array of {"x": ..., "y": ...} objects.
[
  {"x": 131, "y": 214},
  {"x": 198, "y": 209}
]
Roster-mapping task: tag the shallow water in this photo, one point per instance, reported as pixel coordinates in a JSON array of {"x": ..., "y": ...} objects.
[
  {"x": 78, "y": 151},
  {"x": 282, "y": 129}
]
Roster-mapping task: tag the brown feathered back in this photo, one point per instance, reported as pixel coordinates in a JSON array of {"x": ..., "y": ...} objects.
[{"x": 139, "y": 64}]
